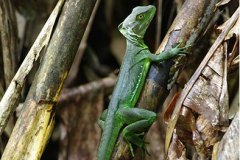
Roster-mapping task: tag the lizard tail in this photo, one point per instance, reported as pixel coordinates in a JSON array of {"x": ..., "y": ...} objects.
[{"x": 108, "y": 140}]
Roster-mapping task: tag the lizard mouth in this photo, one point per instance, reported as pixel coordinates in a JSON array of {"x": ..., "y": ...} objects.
[{"x": 152, "y": 11}]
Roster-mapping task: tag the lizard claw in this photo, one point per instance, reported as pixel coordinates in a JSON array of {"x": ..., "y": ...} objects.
[
  {"x": 131, "y": 148},
  {"x": 182, "y": 51},
  {"x": 142, "y": 147}
]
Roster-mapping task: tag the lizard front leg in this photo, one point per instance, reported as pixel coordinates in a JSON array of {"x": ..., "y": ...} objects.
[
  {"x": 165, "y": 55},
  {"x": 168, "y": 54}
]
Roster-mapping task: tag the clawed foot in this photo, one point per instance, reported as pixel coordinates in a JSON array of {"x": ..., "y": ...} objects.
[
  {"x": 143, "y": 149},
  {"x": 181, "y": 51},
  {"x": 174, "y": 52}
]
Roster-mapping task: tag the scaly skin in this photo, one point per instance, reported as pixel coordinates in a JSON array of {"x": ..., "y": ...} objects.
[{"x": 121, "y": 114}]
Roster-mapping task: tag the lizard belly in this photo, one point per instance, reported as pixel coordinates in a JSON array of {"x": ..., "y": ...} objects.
[{"x": 134, "y": 81}]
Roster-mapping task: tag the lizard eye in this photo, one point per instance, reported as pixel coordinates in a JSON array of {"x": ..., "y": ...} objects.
[{"x": 140, "y": 16}]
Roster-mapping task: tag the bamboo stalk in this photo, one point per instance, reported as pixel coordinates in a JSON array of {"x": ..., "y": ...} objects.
[
  {"x": 35, "y": 123},
  {"x": 10, "y": 99}
]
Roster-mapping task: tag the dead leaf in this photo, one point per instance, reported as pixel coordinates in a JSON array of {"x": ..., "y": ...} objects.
[
  {"x": 209, "y": 92},
  {"x": 168, "y": 112},
  {"x": 176, "y": 113},
  {"x": 177, "y": 150},
  {"x": 208, "y": 133}
]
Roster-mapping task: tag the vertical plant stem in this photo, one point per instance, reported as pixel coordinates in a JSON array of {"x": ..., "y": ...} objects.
[{"x": 35, "y": 123}]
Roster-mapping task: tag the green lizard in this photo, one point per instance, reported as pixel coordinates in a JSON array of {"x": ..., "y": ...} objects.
[{"x": 121, "y": 115}]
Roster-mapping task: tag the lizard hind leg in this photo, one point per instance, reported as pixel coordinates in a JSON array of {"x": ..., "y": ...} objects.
[
  {"x": 132, "y": 135},
  {"x": 137, "y": 122}
]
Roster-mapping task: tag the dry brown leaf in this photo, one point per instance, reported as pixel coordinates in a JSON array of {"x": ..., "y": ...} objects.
[
  {"x": 209, "y": 91},
  {"x": 177, "y": 150},
  {"x": 170, "y": 108},
  {"x": 208, "y": 133},
  {"x": 219, "y": 119},
  {"x": 208, "y": 98},
  {"x": 206, "y": 95}
]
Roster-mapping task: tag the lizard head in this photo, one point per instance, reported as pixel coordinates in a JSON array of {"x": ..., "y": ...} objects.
[{"x": 136, "y": 24}]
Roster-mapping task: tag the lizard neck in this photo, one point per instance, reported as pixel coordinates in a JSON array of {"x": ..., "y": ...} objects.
[{"x": 134, "y": 38}]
